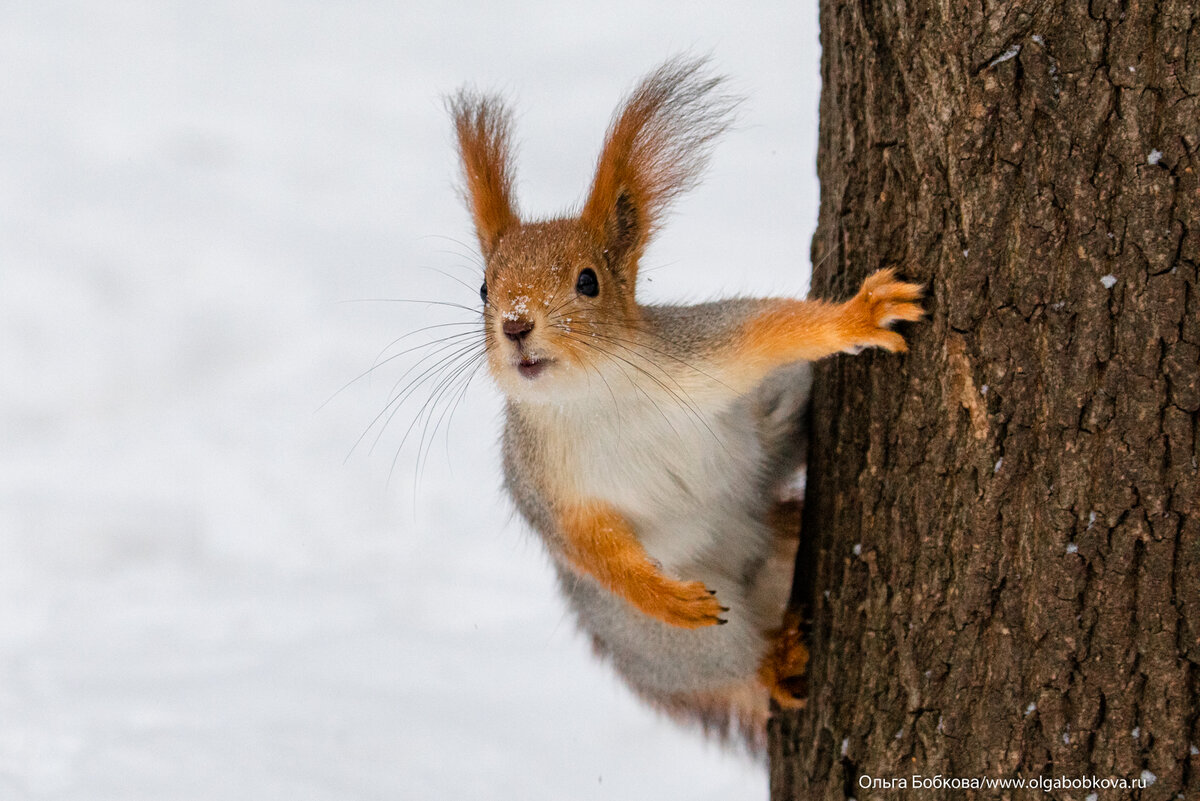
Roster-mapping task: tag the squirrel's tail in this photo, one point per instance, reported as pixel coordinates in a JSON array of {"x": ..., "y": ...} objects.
[{"x": 734, "y": 715}]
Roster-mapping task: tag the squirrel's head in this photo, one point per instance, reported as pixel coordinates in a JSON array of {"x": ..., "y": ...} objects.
[{"x": 559, "y": 295}]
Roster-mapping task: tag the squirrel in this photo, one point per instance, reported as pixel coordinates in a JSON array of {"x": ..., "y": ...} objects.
[{"x": 644, "y": 443}]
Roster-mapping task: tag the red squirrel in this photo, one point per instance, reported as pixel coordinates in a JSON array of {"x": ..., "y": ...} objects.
[{"x": 635, "y": 438}]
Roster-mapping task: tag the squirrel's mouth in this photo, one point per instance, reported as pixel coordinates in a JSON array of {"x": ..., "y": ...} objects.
[{"x": 531, "y": 366}]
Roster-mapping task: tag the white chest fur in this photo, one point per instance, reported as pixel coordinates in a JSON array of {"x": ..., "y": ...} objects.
[{"x": 681, "y": 471}]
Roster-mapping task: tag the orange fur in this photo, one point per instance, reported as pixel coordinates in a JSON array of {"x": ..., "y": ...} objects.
[
  {"x": 600, "y": 543},
  {"x": 792, "y": 330},
  {"x": 483, "y": 126},
  {"x": 655, "y": 149},
  {"x": 783, "y": 668},
  {"x": 559, "y": 349}
]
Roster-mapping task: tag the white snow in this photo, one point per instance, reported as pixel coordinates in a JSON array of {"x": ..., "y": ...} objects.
[
  {"x": 1136, "y": 732},
  {"x": 1109, "y": 281},
  {"x": 198, "y": 598},
  {"x": 1148, "y": 777},
  {"x": 1154, "y": 157},
  {"x": 1072, "y": 548},
  {"x": 1029, "y": 710}
]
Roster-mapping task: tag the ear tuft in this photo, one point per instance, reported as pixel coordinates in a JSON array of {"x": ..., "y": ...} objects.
[
  {"x": 483, "y": 126},
  {"x": 656, "y": 148}
]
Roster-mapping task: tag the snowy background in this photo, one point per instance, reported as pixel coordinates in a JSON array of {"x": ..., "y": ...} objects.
[{"x": 201, "y": 597}]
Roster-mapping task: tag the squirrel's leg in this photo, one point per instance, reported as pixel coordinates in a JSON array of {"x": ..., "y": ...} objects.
[
  {"x": 786, "y": 331},
  {"x": 782, "y": 670},
  {"x": 599, "y": 542}
]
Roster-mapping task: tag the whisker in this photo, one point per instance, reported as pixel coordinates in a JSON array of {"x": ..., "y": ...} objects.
[
  {"x": 451, "y": 370},
  {"x": 445, "y": 303},
  {"x": 634, "y": 352},
  {"x": 375, "y": 365},
  {"x": 459, "y": 398},
  {"x": 552, "y": 313},
  {"x": 397, "y": 399},
  {"x": 474, "y": 325},
  {"x": 611, "y": 393},
  {"x": 449, "y": 390},
  {"x": 616, "y": 359},
  {"x": 476, "y": 267},
  {"x": 660, "y": 352},
  {"x": 685, "y": 401},
  {"x": 431, "y": 373},
  {"x": 468, "y": 250},
  {"x": 454, "y": 278}
]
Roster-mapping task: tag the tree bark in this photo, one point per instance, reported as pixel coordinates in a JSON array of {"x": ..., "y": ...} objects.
[{"x": 1002, "y": 529}]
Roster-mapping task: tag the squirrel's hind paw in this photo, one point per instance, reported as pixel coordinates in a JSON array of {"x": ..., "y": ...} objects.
[{"x": 783, "y": 669}]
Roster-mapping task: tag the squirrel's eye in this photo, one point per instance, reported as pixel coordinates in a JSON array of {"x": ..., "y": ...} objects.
[
  {"x": 587, "y": 284},
  {"x": 483, "y": 292}
]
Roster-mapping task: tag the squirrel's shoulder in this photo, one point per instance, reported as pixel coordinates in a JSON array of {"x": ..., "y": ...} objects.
[{"x": 690, "y": 327}]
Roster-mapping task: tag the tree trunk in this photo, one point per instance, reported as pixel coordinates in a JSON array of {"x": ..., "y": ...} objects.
[{"x": 1002, "y": 530}]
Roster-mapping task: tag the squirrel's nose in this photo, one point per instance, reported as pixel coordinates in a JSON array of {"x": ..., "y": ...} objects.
[{"x": 517, "y": 329}]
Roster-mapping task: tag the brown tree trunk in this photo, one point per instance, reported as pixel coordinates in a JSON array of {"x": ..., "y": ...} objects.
[{"x": 1002, "y": 528}]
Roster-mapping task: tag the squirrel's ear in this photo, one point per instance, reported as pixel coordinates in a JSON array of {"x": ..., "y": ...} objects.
[
  {"x": 483, "y": 126},
  {"x": 656, "y": 147}
]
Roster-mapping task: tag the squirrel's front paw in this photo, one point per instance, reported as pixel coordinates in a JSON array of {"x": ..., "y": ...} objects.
[
  {"x": 882, "y": 300},
  {"x": 687, "y": 604}
]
